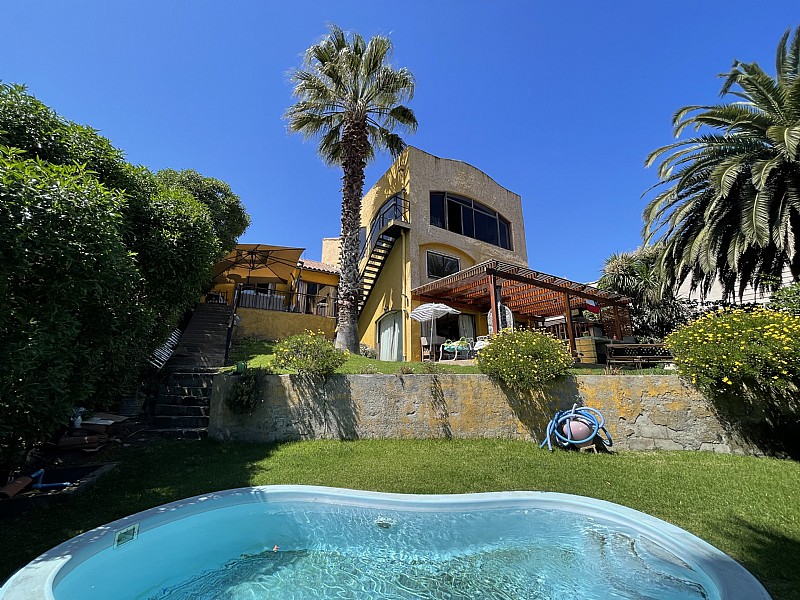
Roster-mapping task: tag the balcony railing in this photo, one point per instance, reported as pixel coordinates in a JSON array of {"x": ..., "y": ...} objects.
[
  {"x": 323, "y": 305},
  {"x": 395, "y": 208}
]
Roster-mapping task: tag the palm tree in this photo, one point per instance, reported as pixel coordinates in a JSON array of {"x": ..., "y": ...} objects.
[
  {"x": 731, "y": 207},
  {"x": 656, "y": 311},
  {"x": 351, "y": 99}
]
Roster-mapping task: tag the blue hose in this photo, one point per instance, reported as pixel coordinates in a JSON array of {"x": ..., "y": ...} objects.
[{"x": 588, "y": 416}]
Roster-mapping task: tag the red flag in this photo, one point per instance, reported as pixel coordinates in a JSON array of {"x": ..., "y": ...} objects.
[{"x": 593, "y": 307}]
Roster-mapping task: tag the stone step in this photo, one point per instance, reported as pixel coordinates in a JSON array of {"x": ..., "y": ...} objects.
[
  {"x": 187, "y": 433},
  {"x": 173, "y": 422},
  {"x": 184, "y": 400},
  {"x": 180, "y": 390},
  {"x": 181, "y": 410},
  {"x": 193, "y": 380}
]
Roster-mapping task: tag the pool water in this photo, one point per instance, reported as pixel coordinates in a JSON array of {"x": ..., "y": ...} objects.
[
  {"x": 312, "y": 542},
  {"x": 335, "y": 551}
]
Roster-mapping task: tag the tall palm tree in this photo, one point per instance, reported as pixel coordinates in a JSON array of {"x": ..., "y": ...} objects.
[
  {"x": 351, "y": 99},
  {"x": 731, "y": 207}
]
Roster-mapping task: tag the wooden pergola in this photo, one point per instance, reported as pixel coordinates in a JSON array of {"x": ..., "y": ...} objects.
[{"x": 529, "y": 294}]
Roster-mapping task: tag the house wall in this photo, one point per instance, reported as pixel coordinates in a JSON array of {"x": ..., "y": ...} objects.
[
  {"x": 641, "y": 412},
  {"x": 428, "y": 173},
  {"x": 330, "y": 251},
  {"x": 749, "y": 294},
  {"x": 420, "y": 173},
  {"x": 276, "y": 325}
]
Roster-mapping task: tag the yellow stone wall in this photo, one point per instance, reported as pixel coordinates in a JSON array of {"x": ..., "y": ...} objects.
[
  {"x": 641, "y": 412},
  {"x": 276, "y": 325}
]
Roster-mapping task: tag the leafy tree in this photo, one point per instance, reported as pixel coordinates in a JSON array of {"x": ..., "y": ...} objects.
[
  {"x": 72, "y": 320},
  {"x": 351, "y": 99},
  {"x": 227, "y": 213},
  {"x": 656, "y": 311},
  {"x": 730, "y": 209},
  {"x": 98, "y": 260}
]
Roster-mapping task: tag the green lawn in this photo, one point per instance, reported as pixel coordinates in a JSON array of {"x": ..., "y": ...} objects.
[
  {"x": 259, "y": 353},
  {"x": 747, "y": 507}
]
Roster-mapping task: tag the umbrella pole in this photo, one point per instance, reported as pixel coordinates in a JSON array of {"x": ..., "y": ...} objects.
[{"x": 433, "y": 339}]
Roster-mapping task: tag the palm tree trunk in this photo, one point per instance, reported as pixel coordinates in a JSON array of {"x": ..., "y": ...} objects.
[{"x": 354, "y": 152}]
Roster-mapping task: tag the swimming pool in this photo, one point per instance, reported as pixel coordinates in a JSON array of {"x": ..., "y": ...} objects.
[{"x": 313, "y": 542}]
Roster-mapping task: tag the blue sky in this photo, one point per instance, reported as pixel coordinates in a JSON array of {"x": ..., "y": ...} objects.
[{"x": 558, "y": 101}]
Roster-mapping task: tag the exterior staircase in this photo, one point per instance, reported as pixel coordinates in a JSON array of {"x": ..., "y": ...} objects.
[
  {"x": 204, "y": 340},
  {"x": 181, "y": 411},
  {"x": 374, "y": 265},
  {"x": 182, "y": 406},
  {"x": 384, "y": 230}
]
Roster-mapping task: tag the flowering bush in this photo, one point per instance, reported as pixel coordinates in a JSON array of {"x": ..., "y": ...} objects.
[
  {"x": 787, "y": 299},
  {"x": 524, "y": 359},
  {"x": 736, "y": 350},
  {"x": 309, "y": 353}
]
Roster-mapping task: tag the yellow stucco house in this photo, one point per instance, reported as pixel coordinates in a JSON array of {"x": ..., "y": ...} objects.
[
  {"x": 432, "y": 230},
  {"x": 440, "y": 230},
  {"x": 425, "y": 219}
]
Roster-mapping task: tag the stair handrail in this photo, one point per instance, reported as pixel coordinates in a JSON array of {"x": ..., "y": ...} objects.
[{"x": 396, "y": 208}]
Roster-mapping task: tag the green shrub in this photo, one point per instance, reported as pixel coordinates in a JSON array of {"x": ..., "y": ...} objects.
[
  {"x": 309, "y": 353},
  {"x": 524, "y": 359},
  {"x": 732, "y": 349},
  {"x": 71, "y": 319},
  {"x": 98, "y": 261},
  {"x": 787, "y": 299},
  {"x": 247, "y": 392}
]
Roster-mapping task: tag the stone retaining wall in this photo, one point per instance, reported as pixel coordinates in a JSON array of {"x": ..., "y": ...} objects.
[{"x": 641, "y": 412}]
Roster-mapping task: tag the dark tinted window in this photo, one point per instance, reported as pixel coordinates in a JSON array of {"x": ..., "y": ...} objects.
[
  {"x": 505, "y": 236},
  {"x": 437, "y": 210},
  {"x": 469, "y": 218},
  {"x": 440, "y": 265},
  {"x": 454, "y": 216},
  {"x": 486, "y": 228}
]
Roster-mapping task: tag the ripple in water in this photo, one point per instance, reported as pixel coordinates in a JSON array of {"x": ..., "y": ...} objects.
[{"x": 609, "y": 565}]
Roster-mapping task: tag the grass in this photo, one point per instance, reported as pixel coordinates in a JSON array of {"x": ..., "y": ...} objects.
[
  {"x": 259, "y": 353},
  {"x": 745, "y": 506}
]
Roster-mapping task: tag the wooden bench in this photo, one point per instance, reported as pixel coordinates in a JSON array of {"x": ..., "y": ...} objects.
[{"x": 637, "y": 354}]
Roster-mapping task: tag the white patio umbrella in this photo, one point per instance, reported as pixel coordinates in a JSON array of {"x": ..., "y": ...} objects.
[{"x": 430, "y": 312}]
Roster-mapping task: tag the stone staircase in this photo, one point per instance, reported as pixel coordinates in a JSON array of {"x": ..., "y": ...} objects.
[
  {"x": 202, "y": 344},
  {"x": 181, "y": 409}
]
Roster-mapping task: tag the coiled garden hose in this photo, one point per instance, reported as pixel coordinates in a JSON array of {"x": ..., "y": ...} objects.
[{"x": 559, "y": 427}]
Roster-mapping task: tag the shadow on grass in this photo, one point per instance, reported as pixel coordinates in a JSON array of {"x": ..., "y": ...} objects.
[
  {"x": 771, "y": 556},
  {"x": 143, "y": 480}
]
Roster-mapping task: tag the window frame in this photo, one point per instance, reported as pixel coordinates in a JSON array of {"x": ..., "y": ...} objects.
[
  {"x": 467, "y": 214},
  {"x": 446, "y": 256}
]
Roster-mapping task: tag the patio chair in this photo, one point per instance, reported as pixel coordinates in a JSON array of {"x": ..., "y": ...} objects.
[
  {"x": 430, "y": 350},
  {"x": 481, "y": 343},
  {"x": 462, "y": 346}
]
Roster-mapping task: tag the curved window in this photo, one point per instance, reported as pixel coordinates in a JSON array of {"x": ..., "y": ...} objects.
[{"x": 469, "y": 218}]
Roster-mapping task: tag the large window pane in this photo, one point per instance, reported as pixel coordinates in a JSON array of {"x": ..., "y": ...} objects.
[
  {"x": 437, "y": 210},
  {"x": 486, "y": 228},
  {"x": 468, "y": 225},
  {"x": 454, "y": 216},
  {"x": 505, "y": 235},
  {"x": 440, "y": 265}
]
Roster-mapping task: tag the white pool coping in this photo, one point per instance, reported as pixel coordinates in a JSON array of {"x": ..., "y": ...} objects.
[{"x": 35, "y": 581}]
